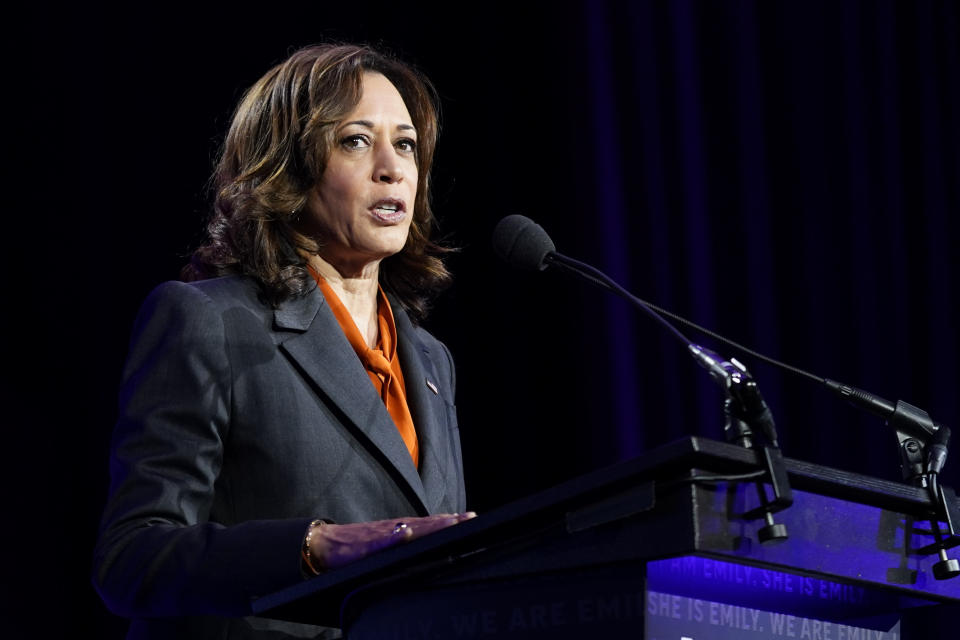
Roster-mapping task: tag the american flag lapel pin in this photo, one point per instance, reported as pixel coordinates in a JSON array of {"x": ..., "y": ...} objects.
[{"x": 433, "y": 387}]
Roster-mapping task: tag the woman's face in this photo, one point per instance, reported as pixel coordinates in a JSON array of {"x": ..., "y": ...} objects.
[{"x": 363, "y": 204}]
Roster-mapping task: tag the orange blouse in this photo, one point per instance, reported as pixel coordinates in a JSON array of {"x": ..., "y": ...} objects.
[{"x": 381, "y": 362}]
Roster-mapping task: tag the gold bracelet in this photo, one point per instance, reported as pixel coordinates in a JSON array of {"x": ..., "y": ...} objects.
[{"x": 305, "y": 552}]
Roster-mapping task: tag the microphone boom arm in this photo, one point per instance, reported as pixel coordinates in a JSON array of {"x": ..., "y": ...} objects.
[
  {"x": 745, "y": 410},
  {"x": 923, "y": 443}
]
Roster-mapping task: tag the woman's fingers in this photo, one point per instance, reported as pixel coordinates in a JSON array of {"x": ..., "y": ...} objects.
[
  {"x": 336, "y": 545},
  {"x": 418, "y": 527}
]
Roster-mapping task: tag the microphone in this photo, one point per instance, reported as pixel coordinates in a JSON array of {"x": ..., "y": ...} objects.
[{"x": 522, "y": 243}]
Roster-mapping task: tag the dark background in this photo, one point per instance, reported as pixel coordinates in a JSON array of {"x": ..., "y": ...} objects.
[{"x": 784, "y": 173}]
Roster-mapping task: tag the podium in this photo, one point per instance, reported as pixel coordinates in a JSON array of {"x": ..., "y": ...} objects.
[{"x": 641, "y": 550}]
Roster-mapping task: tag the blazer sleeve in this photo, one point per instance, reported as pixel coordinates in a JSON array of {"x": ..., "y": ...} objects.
[{"x": 158, "y": 554}]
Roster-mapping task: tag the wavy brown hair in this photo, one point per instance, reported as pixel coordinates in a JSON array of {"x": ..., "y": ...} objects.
[{"x": 276, "y": 150}]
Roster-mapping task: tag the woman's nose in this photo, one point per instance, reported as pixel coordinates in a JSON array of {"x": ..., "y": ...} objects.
[{"x": 388, "y": 168}]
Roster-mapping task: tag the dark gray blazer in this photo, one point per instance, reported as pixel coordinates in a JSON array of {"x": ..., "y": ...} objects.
[{"x": 238, "y": 424}]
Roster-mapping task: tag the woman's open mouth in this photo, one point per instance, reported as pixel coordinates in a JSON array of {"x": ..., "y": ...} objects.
[{"x": 389, "y": 210}]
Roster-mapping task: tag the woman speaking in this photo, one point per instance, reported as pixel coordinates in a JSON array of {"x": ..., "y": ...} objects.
[{"x": 281, "y": 413}]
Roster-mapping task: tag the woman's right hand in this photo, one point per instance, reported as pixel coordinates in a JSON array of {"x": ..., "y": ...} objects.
[{"x": 336, "y": 545}]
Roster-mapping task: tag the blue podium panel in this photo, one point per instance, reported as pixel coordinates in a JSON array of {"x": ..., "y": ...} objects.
[
  {"x": 699, "y": 597},
  {"x": 841, "y": 539}
]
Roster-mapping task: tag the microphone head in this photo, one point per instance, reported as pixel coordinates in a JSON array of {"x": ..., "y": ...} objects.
[{"x": 522, "y": 243}]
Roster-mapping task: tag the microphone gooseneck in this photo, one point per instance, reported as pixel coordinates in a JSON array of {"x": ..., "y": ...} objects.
[{"x": 523, "y": 243}]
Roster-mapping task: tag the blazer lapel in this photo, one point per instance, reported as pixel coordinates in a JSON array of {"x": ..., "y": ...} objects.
[
  {"x": 428, "y": 408},
  {"x": 317, "y": 345}
]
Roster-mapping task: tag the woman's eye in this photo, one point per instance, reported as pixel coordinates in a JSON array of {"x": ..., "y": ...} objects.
[
  {"x": 355, "y": 142},
  {"x": 406, "y": 145}
]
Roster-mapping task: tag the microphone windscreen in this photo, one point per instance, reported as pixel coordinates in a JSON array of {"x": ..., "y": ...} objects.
[{"x": 522, "y": 243}]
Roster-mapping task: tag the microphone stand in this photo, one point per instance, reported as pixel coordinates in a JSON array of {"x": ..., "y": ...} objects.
[
  {"x": 923, "y": 442},
  {"x": 748, "y": 420}
]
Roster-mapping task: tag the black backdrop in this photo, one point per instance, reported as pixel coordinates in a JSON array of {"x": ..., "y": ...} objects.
[{"x": 785, "y": 173}]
